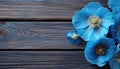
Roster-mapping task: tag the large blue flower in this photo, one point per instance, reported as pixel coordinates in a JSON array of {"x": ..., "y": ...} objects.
[
  {"x": 114, "y": 4},
  {"x": 73, "y": 37},
  {"x": 115, "y": 61},
  {"x": 100, "y": 51},
  {"x": 93, "y": 21}
]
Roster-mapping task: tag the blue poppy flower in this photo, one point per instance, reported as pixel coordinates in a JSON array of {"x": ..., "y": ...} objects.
[
  {"x": 93, "y": 21},
  {"x": 100, "y": 51},
  {"x": 115, "y": 29},
  {"x": 115, "y": 61},
  {"x": 114, "y": 4},
  {"x": 73, "y": 37}
]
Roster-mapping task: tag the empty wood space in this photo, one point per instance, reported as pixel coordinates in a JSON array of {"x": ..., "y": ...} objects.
[
  {"x": 41, "y": 9},
  {"x": 36, "y": 36}
]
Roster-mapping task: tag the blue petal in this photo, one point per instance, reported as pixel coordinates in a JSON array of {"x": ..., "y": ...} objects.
[
  {"x": 80, "y": 18},
  {"x": 102, "y": 10},
  {"x": 108, "y": 43},
  {"x": 114, "y": 28},
  {"x": 113, "y": 64},
  {"x": 99, "y": 33},
  {"x": 113, "y": 32},
  {"x": 92, "y": 6},
  {"x": 114, "y": 4},
  {"x": 78, "y": 41},
  {"x": 92, "y": 34},
  {"x": 107, "y": 20},
  {"x": 109, "y": 54},
  {"x": 116, "y": 16},
  {"x": 87, "y": 34},
  {"x": 69, "y": 34},
  {"x": 118, "y": 48},
  {"x": 90, "y": 54},
  {"x": 101, "y": 61}
]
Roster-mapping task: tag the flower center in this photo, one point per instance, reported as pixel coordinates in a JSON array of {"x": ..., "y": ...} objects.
[
  {"x": 94, "y": 21},
  {"x": 75, "y": 36},
  {"x": 118, "y": 59},
  {"x": 100, "y": 50}
]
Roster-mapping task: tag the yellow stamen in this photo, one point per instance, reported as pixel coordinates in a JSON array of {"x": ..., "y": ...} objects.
[
  {"x": 94, "y": 21},
  {"x": 118, "y": 59},
  {"x": 100, "y": 50},
  {"x": 75, "y": 36}
]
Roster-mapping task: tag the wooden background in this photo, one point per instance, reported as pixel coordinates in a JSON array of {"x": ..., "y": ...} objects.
[{"x": 37, "y": 35}]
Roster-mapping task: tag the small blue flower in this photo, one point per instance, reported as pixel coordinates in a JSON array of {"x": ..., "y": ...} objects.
[
  {"x": 114, "y": 4},
  {"x": 100, "y": 51},
  {"x": 73, "y": 37},
  {"x": 115, "y": 61},
  {"x": 93, "y": 21}
]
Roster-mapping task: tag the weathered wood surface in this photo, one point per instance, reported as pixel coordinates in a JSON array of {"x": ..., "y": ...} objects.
[
  {"x": 44, "y": 60},
  {"x": 47, "y": 21},
  {"x": 38, "y": 35},
  {"x": 41, "y": 9}
]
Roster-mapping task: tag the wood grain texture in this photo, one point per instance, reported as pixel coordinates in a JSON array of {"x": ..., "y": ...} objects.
[
  {"x": 44, "y": 60},
  {"x": 49, "y": 35},
  {"x": 37, "y": 35},
  {"x": 41, "y": 9}
]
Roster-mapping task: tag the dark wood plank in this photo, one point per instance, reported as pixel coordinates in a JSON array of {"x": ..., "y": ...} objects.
[
  {"x": 41, "y": 9},
  {"x": 37, "y": 35},
  {"x": 44, "y": 60}
]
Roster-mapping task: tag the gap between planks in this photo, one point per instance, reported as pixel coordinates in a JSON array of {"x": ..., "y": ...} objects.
[{"x": 44, "y": 60}]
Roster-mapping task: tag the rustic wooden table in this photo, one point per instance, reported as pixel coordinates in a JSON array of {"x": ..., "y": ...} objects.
[{"x": 36, "y": 35}]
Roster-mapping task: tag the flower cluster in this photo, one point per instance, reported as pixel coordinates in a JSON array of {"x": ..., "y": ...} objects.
[{"x": 92, "y": 24}]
